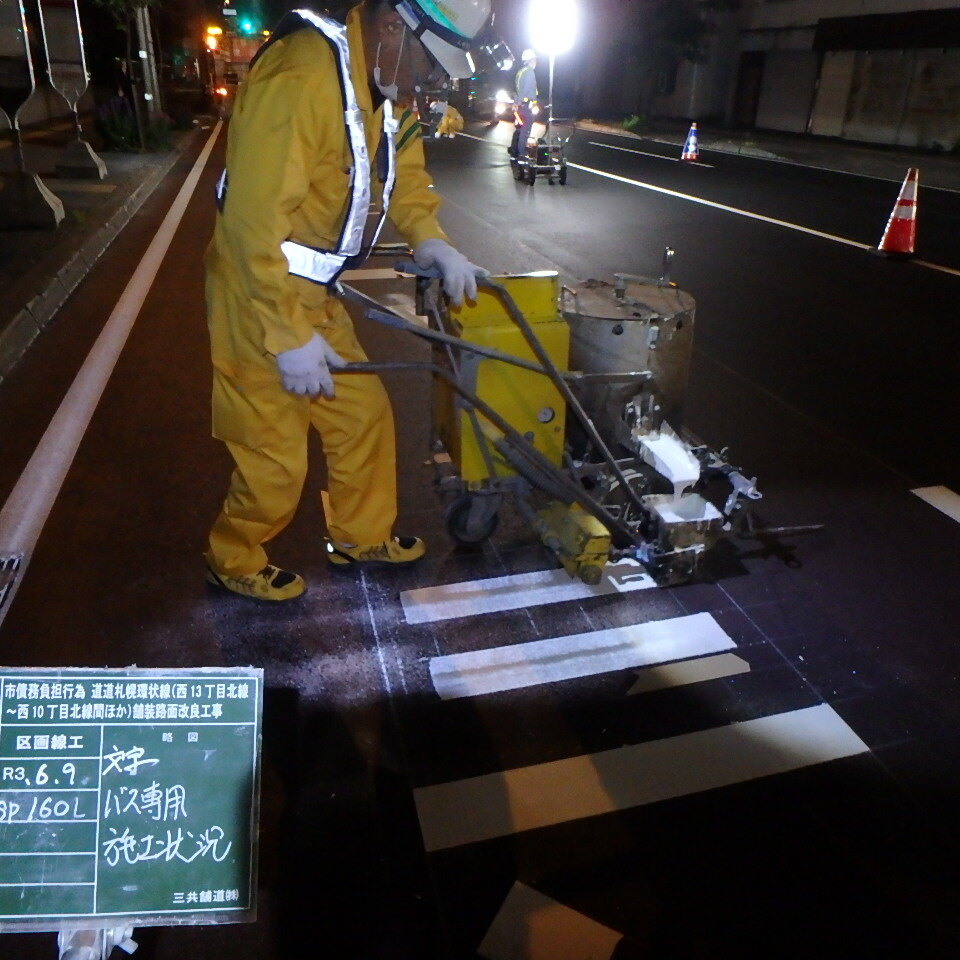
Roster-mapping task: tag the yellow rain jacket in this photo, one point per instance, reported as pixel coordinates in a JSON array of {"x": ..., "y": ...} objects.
[
  {"x": 288, "y": 162},
  {"x": 451, "y": 123}
]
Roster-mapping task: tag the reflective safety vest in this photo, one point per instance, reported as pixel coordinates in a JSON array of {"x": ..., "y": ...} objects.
[{"x": 321, "y": 265}]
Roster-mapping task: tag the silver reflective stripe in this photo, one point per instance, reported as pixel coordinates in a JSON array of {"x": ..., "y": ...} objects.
[
  {"x": 390, "y": 127},
  {"x": 323, "y": 266},
  {"x": 221, "y": 187}
]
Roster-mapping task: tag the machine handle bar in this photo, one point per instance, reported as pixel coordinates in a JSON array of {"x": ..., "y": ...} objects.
[{"x": 623, "y": 537}]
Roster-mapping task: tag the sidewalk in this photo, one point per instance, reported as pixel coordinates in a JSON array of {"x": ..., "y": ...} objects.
[
  {"x": 39, "y": 269},
  {"x": 888, "y": 163}
]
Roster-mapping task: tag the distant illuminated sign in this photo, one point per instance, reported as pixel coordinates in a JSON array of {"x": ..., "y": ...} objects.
[{"x": 228, "y": 12}]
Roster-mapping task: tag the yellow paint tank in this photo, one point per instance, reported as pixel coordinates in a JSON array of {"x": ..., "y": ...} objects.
[{"x": 528, "y": 401}]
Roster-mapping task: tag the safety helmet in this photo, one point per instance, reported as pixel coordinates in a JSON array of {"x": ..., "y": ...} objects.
[
  {"x": 528, "y": 55},
  {"x": 449, "y": 29}
]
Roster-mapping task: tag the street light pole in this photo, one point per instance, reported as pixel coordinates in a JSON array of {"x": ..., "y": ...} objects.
[{"x": 553, "y": 27}]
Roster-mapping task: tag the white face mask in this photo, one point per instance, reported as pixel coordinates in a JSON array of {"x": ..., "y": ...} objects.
[{"x": 389, "y": 90}]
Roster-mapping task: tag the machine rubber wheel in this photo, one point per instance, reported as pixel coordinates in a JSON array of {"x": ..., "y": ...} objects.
[
  {"x": 456, "y": 517},
  {"x": 531, "y": 176},
  {"x": 563, "y": 175},
  {"x": 551, "y": 181}
]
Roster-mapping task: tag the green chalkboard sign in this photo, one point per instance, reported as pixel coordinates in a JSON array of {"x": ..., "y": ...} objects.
[{"x": 128, "y": 794}]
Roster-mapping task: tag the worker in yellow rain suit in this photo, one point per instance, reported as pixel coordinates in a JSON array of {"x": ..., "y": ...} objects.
[
  {"x": 312, "y": 142},
  {"x": 451, "y": 120}
]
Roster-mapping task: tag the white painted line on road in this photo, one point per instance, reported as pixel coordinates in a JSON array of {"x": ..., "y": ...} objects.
[
  {"x": 474, "y": 598},
  {"x": 721, "y": 206},
  {"x": 936, "y": 266},
  {"x": 579, "y": 655},
  {"x": 706, "y": 148},
  {"x": 512, "y": 801},
  {"x": 29, "y": 504},
  {"x": 749, "y": 214},
  {"x": 943, "y": 498},
  {"x": 531, "y": 926},
  {"x": 680, "y": 674},
  {"x": 657, "y": 156}
]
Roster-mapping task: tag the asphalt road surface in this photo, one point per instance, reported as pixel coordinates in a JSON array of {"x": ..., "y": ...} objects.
[{"x": 789, "y": 791}]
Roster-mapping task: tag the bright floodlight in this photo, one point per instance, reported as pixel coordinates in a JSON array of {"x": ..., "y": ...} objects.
[{"x": 553, "y": 25}]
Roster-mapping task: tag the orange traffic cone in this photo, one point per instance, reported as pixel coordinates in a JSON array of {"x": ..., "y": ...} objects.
[
  {"x": 901, "y": 230},
  {"x": 691, "y": 150}
]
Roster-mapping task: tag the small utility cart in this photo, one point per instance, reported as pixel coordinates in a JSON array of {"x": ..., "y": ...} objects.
[{"x": 542, "y": 157}]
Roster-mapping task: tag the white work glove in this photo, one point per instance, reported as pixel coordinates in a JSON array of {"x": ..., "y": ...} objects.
[
  {"x": 459, "y": 274},
  {"x": 306, "y": 370}
]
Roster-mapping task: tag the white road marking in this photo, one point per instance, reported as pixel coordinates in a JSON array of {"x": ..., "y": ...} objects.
[
  {"x": 721, "y": 206},
  {"x": 936, "y": 266},
  {"x": 579, "y": 655},
  {"x": 474, "y": 598},
  {"x": 943, "y": 498},
  {"x": 29, "y": 504},
  {"x": 743, "y": 213},
  {"x": 680, "y": 674},
  {"x": 750, "y": 215},
  {"x": 783, "y": 160},
  {"x": 512, "y": 801},
  {"x": 644, "y": 153},
  {"x": 531, "y": 926}
]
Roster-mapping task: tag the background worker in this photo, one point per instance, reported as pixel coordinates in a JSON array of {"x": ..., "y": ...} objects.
[
  {"x": 312, "y": 141},
  {"x": 527, "y": 104}
]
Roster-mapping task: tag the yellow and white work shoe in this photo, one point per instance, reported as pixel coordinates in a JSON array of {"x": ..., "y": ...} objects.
[
  {"x": 395, "y": 552},
  {"x": 271, "y": 583}
]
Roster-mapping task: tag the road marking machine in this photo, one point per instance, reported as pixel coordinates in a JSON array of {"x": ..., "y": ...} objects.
[{"x": 568, "y": 402}]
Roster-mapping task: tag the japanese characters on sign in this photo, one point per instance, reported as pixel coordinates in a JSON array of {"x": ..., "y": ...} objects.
[{"x": 128, "y": 794}]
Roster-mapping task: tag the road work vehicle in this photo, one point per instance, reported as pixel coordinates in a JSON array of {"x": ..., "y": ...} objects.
[{"x": 567, "y": 401}]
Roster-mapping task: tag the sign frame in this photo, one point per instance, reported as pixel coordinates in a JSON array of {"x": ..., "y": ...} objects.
[{"x": 132, "y": 866}]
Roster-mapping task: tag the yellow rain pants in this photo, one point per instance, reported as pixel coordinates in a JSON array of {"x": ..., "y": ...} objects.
[
  {"x": 451, "y": 123},
  {"x": 288, "y": 162}
]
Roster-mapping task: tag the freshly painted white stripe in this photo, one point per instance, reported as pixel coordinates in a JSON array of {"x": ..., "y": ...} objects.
[
  {"x": 373, "y": 273},
  {"x": 937, "y": 266},
  {"x": 28, "y": 506},
  {"x": 579, "y": 655},
  {"x": 474, "y": 598},
  {"x": 783, "y": 160},
  {"x": 644, "y": 153},
  {"x": 688, "y": 671},
  {"x": 531, "y": 926},
  {"x": 943, "y": 498},
  {"x": 721, "y": 206},
  {"x": 751, "y": 215},
  {"x": 501, "y": 804}
]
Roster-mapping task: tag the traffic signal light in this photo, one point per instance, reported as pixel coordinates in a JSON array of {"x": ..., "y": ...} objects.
[{"x": 247, "y": 26}]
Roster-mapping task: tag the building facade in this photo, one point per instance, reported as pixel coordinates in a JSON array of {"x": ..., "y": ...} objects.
[{"x": 881, "y": 71}]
